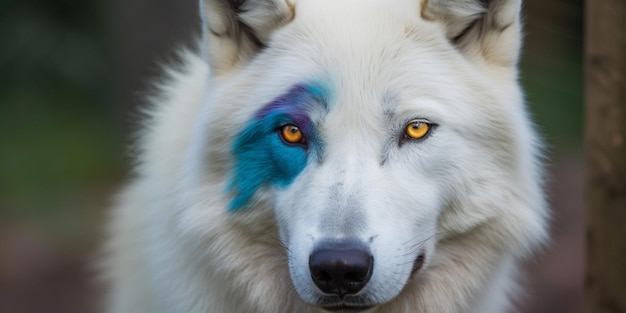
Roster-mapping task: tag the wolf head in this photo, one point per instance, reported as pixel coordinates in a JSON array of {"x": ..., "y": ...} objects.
[{"x": 379, "y": 135}]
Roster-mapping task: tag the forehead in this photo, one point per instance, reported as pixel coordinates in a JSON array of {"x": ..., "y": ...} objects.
[
  {"x": 364, "y": 49},
  {"x": 361, "y": 27},
  {"x": 375, "y": 58}
]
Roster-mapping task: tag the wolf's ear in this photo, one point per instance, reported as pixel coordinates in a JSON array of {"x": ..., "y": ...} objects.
[
  {"x": 234, "y": 30},
  {"x": 486, "y": 29}
]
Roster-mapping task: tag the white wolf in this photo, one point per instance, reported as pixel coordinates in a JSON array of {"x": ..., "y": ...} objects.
[{"x": 334, "y": 155}]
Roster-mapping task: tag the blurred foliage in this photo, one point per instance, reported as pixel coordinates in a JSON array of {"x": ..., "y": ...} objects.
[
  {"x": 552, "y": 72},
  {"x": 59, "y": 139},
  {"x": 62, "y": 140}
]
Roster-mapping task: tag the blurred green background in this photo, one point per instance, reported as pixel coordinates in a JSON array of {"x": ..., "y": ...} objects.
[
  {"x": 72, "y": 74},
  {"x": 60, "y": 139}
]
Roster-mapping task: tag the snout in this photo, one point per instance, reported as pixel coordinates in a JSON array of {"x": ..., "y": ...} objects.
[{"x": 341, "y": 268}]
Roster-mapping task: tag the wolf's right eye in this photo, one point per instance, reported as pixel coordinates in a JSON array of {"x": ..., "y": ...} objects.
[
  {"x": 291, "y": 133},
  {"x": 417, "y": 129}
]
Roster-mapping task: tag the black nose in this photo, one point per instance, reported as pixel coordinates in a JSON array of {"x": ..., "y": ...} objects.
[{"x": 341, "y": 269}]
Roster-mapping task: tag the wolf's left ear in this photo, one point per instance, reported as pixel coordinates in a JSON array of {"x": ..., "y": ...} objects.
[
  {"x": 486, "y": 29},
  {"x": 235, "y": 30}
]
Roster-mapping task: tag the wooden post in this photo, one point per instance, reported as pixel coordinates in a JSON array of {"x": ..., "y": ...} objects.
[{"x": 605, "y": 63}]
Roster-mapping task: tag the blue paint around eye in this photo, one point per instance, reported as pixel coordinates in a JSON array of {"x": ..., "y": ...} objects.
[{"x": 261, "y": 156}]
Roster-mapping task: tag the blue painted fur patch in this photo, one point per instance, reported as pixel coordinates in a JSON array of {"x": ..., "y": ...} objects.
[{"x": 262, "y": 158}]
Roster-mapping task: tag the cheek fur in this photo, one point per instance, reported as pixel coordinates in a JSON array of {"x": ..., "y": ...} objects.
[{"x": 262, "y": 158}]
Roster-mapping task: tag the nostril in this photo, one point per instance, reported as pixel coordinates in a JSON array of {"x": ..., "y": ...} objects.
[
  {"x": 321, "y": 276},
  {"x": 341, "y": 268},
  {"x": 356, "y": 276}
]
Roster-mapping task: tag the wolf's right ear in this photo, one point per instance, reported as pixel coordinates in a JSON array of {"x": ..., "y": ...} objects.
[
  {"x": 235, "y": 30},
  {"x": 489, "y": 30}
]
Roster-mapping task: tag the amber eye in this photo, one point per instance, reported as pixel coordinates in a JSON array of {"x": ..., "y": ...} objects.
[
  {"x": 291, "y": 134},
  {"x": 417, "y": 129}
]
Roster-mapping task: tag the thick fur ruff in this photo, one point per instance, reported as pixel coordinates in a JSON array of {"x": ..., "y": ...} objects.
[{"x": 226, "y": 211}]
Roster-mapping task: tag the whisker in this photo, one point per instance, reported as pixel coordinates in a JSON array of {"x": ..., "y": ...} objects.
[{"x": 417, "y": 236}]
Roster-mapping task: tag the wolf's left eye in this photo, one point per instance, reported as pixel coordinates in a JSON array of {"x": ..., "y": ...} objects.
[
  {"x": 291, "y": 134},
  {"x": 417, "y": 129}
]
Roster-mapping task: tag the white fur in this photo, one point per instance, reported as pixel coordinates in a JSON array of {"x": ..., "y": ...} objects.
[{"x": 469, "y": 196}]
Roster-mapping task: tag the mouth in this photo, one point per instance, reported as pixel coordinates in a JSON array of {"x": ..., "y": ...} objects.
[
  {"x": 418, "y": 264},
  {"x": 342, "y": 308},
  {"x": 349, "y": 304}
]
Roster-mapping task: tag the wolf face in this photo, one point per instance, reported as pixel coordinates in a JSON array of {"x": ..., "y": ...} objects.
[
  {"x": 383, "y": 144},
  {"x": 373, "y": 135},
  {"x": 344, "y": 190}
]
